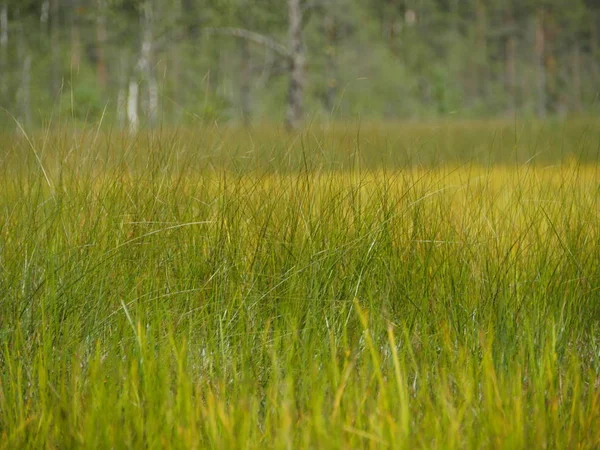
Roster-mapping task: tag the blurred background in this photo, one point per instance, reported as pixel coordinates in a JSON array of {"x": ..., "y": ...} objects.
[{"x": 141, "y": 63}]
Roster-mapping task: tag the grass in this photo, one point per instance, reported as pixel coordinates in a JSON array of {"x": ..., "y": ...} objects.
[{"x": 343, "y": 288}]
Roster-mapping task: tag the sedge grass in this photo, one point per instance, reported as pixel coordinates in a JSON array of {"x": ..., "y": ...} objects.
[{"x": 299, "y": 301}]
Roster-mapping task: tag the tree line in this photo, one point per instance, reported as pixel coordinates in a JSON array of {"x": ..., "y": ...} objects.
[{"x": 140, "y": 62}]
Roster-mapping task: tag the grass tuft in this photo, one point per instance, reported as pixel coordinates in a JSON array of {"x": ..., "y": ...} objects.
[{"x": 412, "y": 287}]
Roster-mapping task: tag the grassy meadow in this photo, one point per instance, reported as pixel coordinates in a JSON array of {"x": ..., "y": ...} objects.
[{"x": 374, "y": 286}]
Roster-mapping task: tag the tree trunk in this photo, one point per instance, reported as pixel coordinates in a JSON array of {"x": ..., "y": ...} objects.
[
  {"x": 482, "y": 63},
  {"x": 101, "y": 35},
  {"x": 152, "y": 112},
  {"x": 55, "y": 48},
  {"x": 24, "y": 91},
  {"x": 44, "y": 16},
  {"x": 331, "y": 64},
  {"x": 122, "y": 113},
  {"x": 245, "y": 85},
  {"x": 132, "y": 106},
  {"x": 45, "y": 24},
  {"x": 296, "y": 65},
  {"x": 541, "y": 68},
  {"x": 145, "y": 66},
  {"x": 392, "y": 27},
  {"x": 176, "y": 61}
]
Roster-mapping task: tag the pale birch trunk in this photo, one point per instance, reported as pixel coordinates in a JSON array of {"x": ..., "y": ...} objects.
[
  {"x": 143, "y": 72},
  {"x": 44, "y": 16},
  {"x": 24, "y": 90},
  {"x": 122, "y": 93},
  {"x": 152, "y": 112},
  {"x": 132, "y": 106},
  {"x": 176, "y": 64},
  {"x": 150, "y": 102},
  {"x": 297, "y": 61}
]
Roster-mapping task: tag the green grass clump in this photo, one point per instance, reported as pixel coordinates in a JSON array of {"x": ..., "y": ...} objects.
[{"x": 172, "y": 291}]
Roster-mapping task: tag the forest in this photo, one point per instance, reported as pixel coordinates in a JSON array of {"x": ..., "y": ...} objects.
[
  {"x": 299, "y": 224},
  {"x": 140, "y": 63}
]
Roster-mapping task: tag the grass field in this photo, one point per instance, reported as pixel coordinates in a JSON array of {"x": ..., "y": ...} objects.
[{"x": 381, "y": 286}]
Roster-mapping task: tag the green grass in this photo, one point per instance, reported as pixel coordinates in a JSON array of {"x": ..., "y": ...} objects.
[{"x": 383, "y": 286}]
